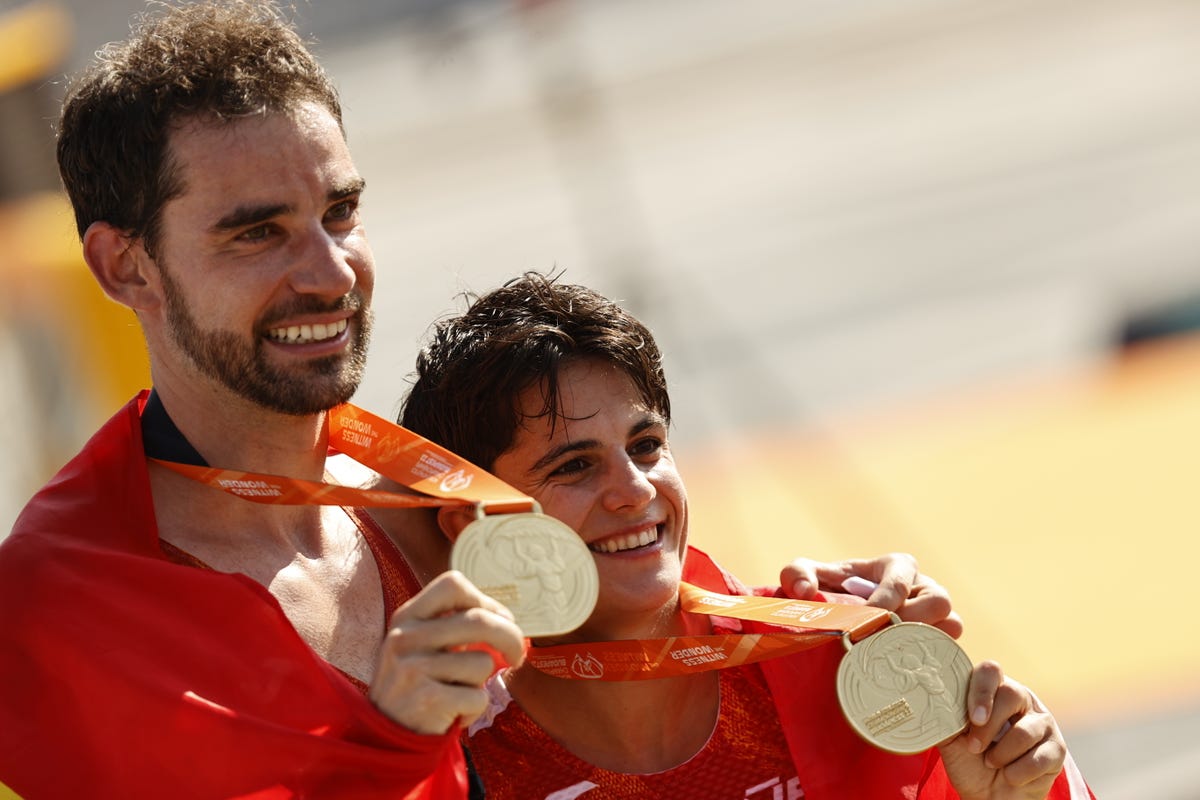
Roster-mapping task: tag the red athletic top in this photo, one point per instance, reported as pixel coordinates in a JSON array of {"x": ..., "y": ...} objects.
[
  {"x": 395, "y": 576},
  {"x": 745, "y": 757},
  {"x": 785, "y": 709}
]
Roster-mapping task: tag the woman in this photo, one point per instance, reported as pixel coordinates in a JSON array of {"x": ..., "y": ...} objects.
[{"x": 561, "y": 393}]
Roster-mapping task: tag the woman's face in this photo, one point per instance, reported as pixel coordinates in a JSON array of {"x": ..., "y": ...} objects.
[{"x": 605, "y": 469}]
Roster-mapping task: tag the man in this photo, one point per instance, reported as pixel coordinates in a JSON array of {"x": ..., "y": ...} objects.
[
  {"x": 216, "y": 197},
  {"x": 158, "y": 637}
]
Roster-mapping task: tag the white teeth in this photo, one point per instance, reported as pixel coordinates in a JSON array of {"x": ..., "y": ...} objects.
[
  {"x": 627, "y": 542},
  {"x": 303, "y": 334}
]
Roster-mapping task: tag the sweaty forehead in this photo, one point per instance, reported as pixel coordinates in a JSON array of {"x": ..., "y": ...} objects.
[
  {"x": 269, "y": 141},
  {"x": 584, "y": 390},
  {"x": 270, "y": 157}
]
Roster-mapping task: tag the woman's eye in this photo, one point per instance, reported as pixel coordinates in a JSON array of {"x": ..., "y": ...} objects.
[
  {"x": 343, "y": 211},
  {"x": 570, "y": 467},
  {"x": 255, "y": 234},
  {"x": 647, "y": 447}
]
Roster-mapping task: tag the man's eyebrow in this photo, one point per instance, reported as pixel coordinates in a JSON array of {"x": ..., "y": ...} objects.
[{"x": 244, "y": 216}]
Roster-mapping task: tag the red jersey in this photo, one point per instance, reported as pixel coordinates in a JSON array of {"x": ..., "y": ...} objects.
[
  {"x": 783, "y": 711},
  {"x": 745, "y": 757}
]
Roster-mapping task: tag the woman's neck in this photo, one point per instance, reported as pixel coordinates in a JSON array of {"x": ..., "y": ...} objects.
[
  {"x": 636, "y": 727},
  {"x": 626, "y": 726}
]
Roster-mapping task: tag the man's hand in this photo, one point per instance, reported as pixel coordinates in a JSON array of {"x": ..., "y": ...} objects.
[
  {"x": 435, "y": 659},
  {"x": 1012, "y": 748},
  {"x": 900, "y": 587}
]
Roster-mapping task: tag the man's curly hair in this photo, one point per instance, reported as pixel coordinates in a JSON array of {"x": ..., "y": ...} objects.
[{"x": 219, "y": 59}]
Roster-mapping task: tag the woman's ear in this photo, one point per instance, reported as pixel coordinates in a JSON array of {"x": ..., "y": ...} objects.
[
  {"x": 122, "y": 266},
  {"x": 453, "y": 520}
]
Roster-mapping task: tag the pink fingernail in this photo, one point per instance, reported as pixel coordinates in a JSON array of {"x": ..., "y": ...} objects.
[{"x": 860, "y": 587}]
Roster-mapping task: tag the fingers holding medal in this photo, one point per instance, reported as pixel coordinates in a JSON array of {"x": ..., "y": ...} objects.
[{"x": 1013, "y": 740}]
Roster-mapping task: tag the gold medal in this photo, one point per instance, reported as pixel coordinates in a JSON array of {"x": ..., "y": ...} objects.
[
  {"x": 533, "y": 564},
  {"x": 904, "y": 689}
]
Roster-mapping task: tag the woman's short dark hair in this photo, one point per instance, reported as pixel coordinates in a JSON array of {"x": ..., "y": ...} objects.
[{"x": 470, "y": 375}]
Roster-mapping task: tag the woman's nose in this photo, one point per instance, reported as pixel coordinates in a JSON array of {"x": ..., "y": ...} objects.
[{"x": 628, "y": 486}]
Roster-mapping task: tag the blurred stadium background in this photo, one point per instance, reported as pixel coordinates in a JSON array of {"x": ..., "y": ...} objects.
[{"x": 925, "y": 272}]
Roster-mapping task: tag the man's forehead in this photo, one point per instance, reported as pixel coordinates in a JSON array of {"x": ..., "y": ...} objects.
[
  {"x": 300, "y": 112},
  {"x": 259, "y": 157},
  {"x": 208, "y": 132}
]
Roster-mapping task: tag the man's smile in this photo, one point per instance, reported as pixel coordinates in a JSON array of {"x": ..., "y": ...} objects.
[{"x": 303, "y": 334}]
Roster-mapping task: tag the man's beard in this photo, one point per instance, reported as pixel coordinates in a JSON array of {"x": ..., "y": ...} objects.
[{"x": 242, "y": 366}]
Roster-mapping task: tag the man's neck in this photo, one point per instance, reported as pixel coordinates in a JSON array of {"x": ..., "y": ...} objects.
[
  {"x": 228, "y": 432},
  {"x": 311, "y": 558},
  {"x": 232, "y": 433}
]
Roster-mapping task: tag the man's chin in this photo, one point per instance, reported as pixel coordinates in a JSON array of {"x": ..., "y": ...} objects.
[
  {"x": 312, "y": 389},
  {"x": 303, "y": 400}
]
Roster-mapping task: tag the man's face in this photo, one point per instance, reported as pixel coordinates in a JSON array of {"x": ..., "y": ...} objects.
[
  {"x": 606, "y": 470},
  {"x": 265, "y": 269}
]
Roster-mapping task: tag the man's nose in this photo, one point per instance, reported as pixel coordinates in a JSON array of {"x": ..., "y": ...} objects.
[{"x": 325, "y": 266}]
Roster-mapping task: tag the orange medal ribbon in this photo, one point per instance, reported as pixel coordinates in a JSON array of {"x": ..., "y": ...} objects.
[
  {"x": 642, "y": 659},
  {"x": 418, "y": 463},
  {"x": 404, "y": 456},
  {"x": 446, "y": 478}
]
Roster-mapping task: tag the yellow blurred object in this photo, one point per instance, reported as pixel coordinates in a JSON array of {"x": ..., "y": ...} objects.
[
  {"x": 7, "y": 793},
  {"x": 1061, "y": 515},
  {"x": 38, "y": 234},
  {"x": 48, "y": 290},
  {"x": 33, "y": 39}
]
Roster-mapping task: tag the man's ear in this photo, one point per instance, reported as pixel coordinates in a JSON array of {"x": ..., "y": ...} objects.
[
  {"x": 121, "y": 266},
  {"x": 454, "y": 519}
]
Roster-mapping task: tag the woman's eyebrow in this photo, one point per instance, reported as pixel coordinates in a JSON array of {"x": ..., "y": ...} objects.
[{"x": 555, "y": 453}]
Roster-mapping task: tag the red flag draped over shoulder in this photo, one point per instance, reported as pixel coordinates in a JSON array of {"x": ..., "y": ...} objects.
[{"x": 123, "y": 675}]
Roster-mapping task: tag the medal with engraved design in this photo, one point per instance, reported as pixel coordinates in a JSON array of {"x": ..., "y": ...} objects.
[
  {"x": 904, "y": 689},
  {"x": 533, "y": 564}
]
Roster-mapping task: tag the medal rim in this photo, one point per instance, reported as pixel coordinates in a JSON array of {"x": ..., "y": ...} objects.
[
  {"x": 474, "y": 536},
  {"x": 963, "y": 675}
]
